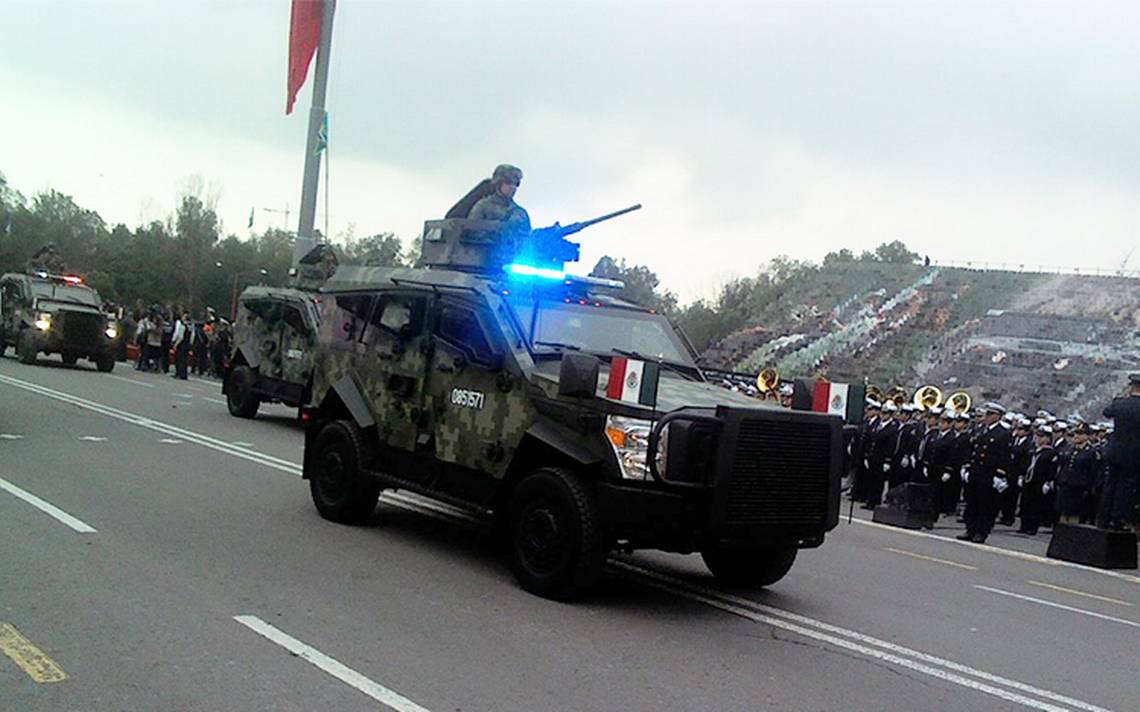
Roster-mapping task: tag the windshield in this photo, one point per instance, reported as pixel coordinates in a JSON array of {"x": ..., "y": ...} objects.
[
  {"x": 601, "y": 330},
  {"x": 65, "y": 293}
]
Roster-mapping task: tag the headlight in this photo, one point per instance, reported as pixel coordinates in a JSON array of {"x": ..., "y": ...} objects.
[
  {"x": 43, "y": 322},
  {"x": 111, "y": 332},
  {"x": 629, "y": 438}
]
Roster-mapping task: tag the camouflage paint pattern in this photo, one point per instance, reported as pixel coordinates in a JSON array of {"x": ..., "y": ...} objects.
[
  {"x": 21, "y": 314},
  {"x": 276, "y": 331}
]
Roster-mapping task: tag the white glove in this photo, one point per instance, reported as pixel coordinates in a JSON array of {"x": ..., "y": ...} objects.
[
  {"x": 1001, "y": 484},
  {"x": 886, "y": 467},
  {"x": 1047, "y": 488},
  {"x": 926, "y": 472},
  {"x": 1020, "y": 480},
  {"x": 866, "y": 464},
  {"x": 945, "y": 476}
]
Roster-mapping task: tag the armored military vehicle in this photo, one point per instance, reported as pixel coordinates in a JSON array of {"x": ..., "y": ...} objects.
[
  {"x": 275, "y": 332},
  {"x": 578, "y": 419},
  {"x": 55, "y": 314}
]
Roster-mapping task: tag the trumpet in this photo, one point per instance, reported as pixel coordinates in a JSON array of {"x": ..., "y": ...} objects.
[
  {"x": 928, "y": 397},
  {"x": 959, "y": 402},
  {"x": 768, "y": 380}
]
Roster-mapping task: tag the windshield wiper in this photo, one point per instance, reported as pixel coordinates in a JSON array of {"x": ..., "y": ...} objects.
[
  {"x": 681, "y": 368},
  {"x": 558, "y": 345}
]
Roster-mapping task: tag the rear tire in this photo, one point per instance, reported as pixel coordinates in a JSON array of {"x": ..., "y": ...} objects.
[
  {"x": 105, "y": 363},
  {"x": 558, "y": 547},
  {"x": 341, "y": 490},
  {"x": 26, "y": 348},
  {"x": 240, "y": 398},
  {"x": 749, "y": 567}
]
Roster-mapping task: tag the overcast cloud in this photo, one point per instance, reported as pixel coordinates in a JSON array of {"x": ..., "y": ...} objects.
[{"x": 971, "y": 131}]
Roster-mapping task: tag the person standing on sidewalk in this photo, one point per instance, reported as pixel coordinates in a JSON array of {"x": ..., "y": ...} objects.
[{"x": 181, "y": 339}]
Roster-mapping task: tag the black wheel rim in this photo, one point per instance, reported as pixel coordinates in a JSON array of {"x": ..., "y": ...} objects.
[
  {"x": 544, "y": 535},
  {"x": 333, "y": 478}
]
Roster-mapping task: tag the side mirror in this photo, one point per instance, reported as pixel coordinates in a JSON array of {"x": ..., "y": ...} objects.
[{"x": 578, "y": 375}]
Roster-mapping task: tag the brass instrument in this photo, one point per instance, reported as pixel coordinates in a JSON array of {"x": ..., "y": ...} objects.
[
  {"x": 928, "y": 397},
  {"x": 898, "y": 396},
  {"x": 768, "y": 380},
  {"x": 959, "y": 402},
  {"x": 875, "y": 393}
]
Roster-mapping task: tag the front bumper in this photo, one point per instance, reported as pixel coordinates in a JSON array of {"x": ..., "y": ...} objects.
[{"x": 766, "y": 478}]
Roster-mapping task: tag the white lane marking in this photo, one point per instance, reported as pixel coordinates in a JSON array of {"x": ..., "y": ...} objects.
[
  {"x": 934, "y": 559},
  {"x": 47, "y": 508},
  {"x": 1078, "y": 592},
  {"x": 128, "y": 380},
  {"x": 935, "y": 672},
  {"x": 686, "y": 589},
  {"x": 239, "y": 443},
  {"x": 219, "y": 401},
  {"x": 339, "y": 670},
  {"x": 673, "y": 585},
  {"x": 1061, "y": 606},
  {"x": 157, "y": 426},
  {"x": 1013, "y": 554},
  {"x": 183, "y": 395},
  {"x": 170, "y": 441},
  {"x": 93, "y": 439},
  {"x": 10, "y": 436}
]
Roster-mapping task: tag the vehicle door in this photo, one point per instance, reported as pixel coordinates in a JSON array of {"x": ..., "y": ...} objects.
[
  {"x": 395, "y": 364},
  {"x": 11, "y": 301},
  {"x": 296, "y": 341},
  {"x": 265, "y": 335},
  {"x": 473, "y": 399}
]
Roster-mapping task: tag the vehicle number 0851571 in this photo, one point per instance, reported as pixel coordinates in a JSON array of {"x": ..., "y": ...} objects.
[{"x": 467, "y": 399}]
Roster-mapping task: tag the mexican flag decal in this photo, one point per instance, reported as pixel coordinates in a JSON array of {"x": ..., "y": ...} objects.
[{"x": 633, "y": 381}]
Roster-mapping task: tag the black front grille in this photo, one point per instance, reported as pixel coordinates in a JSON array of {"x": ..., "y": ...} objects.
[
  {"x": 81, "y": 329},
  {"x": 780, "y": 474}
]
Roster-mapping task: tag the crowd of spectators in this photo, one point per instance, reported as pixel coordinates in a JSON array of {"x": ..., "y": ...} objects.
[{"x": 168, "y": 336}]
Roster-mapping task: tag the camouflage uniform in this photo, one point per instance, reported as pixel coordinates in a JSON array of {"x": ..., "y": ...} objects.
[{"x": 516, "y": 221}]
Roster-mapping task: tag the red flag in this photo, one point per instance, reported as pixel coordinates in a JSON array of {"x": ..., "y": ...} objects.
[{"x": 304, "y": 36}]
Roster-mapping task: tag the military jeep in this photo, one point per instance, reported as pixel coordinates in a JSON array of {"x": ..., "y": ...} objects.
[
  {"x": 274, "y": 334},
  {"x": 486, "y": 385},
  {"x": 55, "y": 314}
]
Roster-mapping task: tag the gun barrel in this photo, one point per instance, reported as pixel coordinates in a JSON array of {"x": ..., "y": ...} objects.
[{"x": 608, "y": 216}]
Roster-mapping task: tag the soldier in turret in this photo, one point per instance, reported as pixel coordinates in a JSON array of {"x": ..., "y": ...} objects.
[{"x": 500, "y": 204}]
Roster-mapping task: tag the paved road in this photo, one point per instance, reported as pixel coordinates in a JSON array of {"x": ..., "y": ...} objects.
[{"x": 159, "y": 554}]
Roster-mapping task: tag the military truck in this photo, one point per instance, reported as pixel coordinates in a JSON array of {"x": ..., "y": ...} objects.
[
  {"x": 523, "y": 392},
  {"x": 55, "y": 314},
  {"x": 275, "y": 332}
]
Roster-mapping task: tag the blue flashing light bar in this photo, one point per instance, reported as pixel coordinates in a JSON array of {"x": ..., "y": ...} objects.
[{"x": 524, "y": 270}]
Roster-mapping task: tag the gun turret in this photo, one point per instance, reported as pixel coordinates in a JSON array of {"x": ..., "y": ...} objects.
[{"x": 549, "y": 244}]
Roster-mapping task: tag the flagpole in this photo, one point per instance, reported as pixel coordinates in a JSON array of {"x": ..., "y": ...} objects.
[{"x": 305, "y": 240}]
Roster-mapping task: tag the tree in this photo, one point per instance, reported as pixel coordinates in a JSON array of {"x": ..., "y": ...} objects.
[
  {"x": 380, "y": 250},
  {"x": 196, "y": 231},
  {"x": 640, "y": 284},
  {"x": 895, "y": 253}
]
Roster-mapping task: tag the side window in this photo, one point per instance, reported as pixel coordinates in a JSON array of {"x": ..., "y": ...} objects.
[
  {"x": 460, "y": 326},
  {"x": 400, "y": 315},
  {"x": 351, "y": 316},
  {"x": 294, "y": 320}
]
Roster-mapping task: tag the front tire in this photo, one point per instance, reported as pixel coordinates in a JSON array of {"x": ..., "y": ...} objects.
[
  {"x": 26, "y": 348},
  {"x": 558, "y": 547},
  {"x": 105, "y": 362},
  {"x": 240, "y": 398},
  {"x": 341, "y": 490},
  {"x": 749, "y": 567}
]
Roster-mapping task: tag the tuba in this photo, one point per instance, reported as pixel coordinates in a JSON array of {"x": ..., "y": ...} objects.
[
  {"x": 768, "y": 380},
  {"x": 875, "y": 393},
  {"x": 959, "y": 402},
  {"x": 928, "y": 397},
  {"x": 898, "y": 396}
]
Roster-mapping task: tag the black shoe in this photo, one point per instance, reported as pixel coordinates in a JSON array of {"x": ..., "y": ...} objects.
[
  {"x": 965, "y": 537},
  {"x": 978, "y": 539},
  {"x": 1006, "y": 522}
]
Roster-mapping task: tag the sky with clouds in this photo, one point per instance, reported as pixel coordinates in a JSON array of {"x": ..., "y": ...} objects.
[{"x": 972, "y": 131}]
